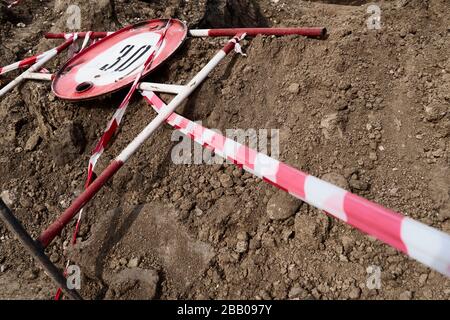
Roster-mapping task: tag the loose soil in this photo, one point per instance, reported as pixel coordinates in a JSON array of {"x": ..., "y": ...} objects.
[{"x": 368, "y": 109}]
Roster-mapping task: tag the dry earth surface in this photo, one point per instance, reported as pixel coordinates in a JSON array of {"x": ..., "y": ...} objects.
[{"x": 367, "y": 109}]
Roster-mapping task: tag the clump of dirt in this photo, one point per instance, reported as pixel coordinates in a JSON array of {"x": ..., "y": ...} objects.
[{"x": 366, "y": 109}]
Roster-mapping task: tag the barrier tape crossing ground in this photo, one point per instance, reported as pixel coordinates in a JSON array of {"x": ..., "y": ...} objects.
[{"x": 421, "y": 242}]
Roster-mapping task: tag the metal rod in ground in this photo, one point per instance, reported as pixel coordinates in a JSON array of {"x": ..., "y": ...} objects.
[
  {"x": 227, "y": 32},
  {"x": 36, "y": 251},
  {"x": 55, "y": 228}
]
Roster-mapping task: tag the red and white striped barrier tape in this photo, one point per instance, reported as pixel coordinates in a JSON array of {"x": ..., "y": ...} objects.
[{"x": 421, "y": 242}]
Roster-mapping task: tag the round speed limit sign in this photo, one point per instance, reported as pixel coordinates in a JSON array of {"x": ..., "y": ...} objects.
[{"x": 113, "y": 62}]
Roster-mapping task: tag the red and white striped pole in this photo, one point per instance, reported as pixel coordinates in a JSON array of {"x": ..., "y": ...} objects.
[
  {"x": 421, "y": 242},
  {"x": 55, "y": 228},
  {"x": 227, "y": 32},
  {"x": 86, "y": 40},
  {"x": 33, "y": 59},
  {"x": 39, "y": 62},
  {"x": 23, "y": 63},
  {"x": 62, "y": 35},
  {"x": 13, "y": 3},
  {"x": 39, "y": 76}
]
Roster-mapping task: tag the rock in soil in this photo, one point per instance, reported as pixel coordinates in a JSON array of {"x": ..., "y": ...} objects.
[
  {"x": 282, "y": 205},
  {"x": 336, "y": 179}
]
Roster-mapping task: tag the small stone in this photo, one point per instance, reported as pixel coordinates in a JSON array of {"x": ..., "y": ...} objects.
[
  {"x": 282, "y": 206},
  {"x": 7, "y": 197},
  {"x": 287, "y": 234},
  {"x": 316, "y": 294},
  {"x": 198, "y": 212},
  {"x": 242, "y": 235},
  {"x": 237, "y": 172},
  {"x": 30, "y": 274},
  {"x": 113, "y": 264},
  {"x": 336, "y": 179},
  {"x": 343, "y": 258},
  {"x": 435, "y": 111},
  {"x": 32, "y": 142},
  {"x": 403, "y": 33},
  {"x": 54, "y": 257},
  {"x": 373, "y": 156},
  {"x": 359, "y": 185},
  {"x": 214, "y": 182},
  {"x": 428, "y": 294},
  {"x": 347, "y": 243},
  {"x": 26, "y": 202},
  {"x": 2, "y": 268},
  {"x": 187, "y": 205},
  {"x": 226, "y": 181},
  {"x": 241, "y": 246},
  {"x": 295, "y": 292},
  {"x": 330, "y": 125},
  {"x": 133, "y": 263},
  {"x": 122, "y": 261},
  {"x": 354, "y": 293},
  {"x": 407, "y": 295},
  {"x": 294, "y": 88},
  {"x": 423, "y": 279},
  {"x": 344, "y": 85},
  {"x": 21, "y": 25}
]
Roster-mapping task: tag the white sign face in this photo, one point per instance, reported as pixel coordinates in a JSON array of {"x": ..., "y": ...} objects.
[{"x": 120, "y": 61}]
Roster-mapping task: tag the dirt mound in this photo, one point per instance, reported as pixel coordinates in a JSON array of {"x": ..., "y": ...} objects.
[{"x": 368, "y": 109}]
